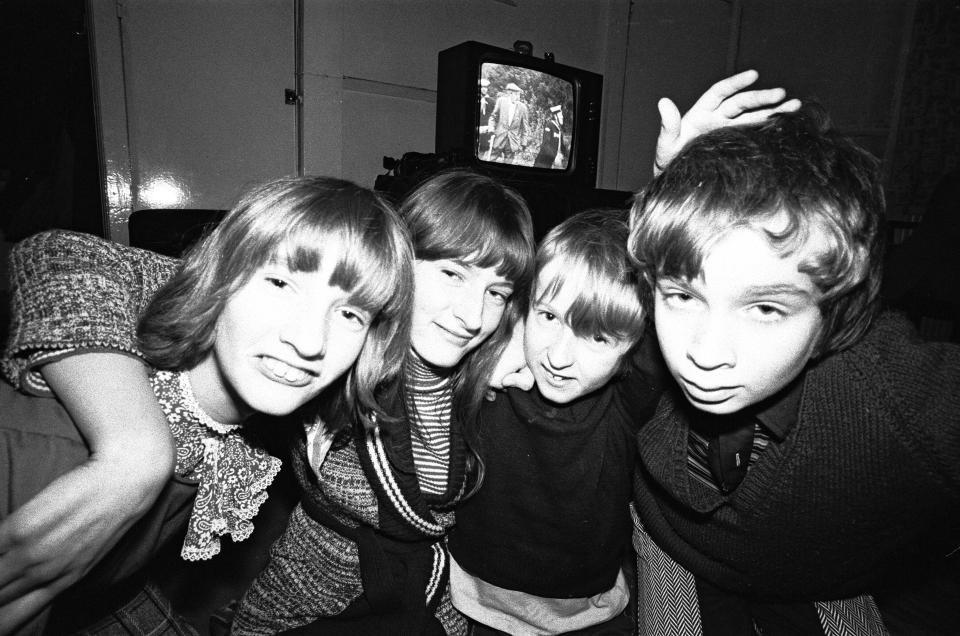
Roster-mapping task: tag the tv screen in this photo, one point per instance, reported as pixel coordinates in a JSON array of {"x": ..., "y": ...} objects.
[
  {"x": 524, "y": 117},
  {"x": 518, "y": 117}
]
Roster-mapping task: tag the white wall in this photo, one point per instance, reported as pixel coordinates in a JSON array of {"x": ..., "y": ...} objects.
[
  {"x": 190, "y": 101},
  {"x": 371, "y": 66},
  {"x": 847, "y": 54},
  {"x": 192, "y": 91}
]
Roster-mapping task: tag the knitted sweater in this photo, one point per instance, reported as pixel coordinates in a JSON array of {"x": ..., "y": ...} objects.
[
  {"x": 72, "y": 291},
  {"x": 552, "y": 518},
  {"x": 363, "y": 545},
  {"x": 864, "y": 487}
]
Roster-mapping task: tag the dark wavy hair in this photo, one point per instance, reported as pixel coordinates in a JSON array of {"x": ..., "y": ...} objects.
[
  {"x": 793, "y": 164},
  {"x": 291, "y": 220},
  {"x": 472, "y": 218}
]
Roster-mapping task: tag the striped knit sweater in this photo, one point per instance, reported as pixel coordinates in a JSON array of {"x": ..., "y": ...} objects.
[{"x": 431, "y": 395}]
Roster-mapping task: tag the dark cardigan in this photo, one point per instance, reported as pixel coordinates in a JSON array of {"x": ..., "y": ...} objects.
[
  {"x": 364, "y": 551},
  {"x": 402, "y": 559},
  {"x": 865, "y": 487}
]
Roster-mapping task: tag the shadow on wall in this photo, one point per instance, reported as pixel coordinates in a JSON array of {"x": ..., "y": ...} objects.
[{"x": 920, "y": 275}]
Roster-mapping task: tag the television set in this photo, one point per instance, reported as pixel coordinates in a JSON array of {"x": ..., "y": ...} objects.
[{"x": 518, "y": 117}]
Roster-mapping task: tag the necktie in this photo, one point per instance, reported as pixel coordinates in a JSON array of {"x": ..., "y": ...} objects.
[{"x": 728, "y": 454}]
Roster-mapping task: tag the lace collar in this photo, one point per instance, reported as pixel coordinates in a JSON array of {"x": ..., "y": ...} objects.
[
  {"x": 232, "y": 476},
  {"x": 190, "y": 402}
]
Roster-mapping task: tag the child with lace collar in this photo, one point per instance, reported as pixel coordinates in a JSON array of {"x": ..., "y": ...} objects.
[{"x": 304, "y": 286}]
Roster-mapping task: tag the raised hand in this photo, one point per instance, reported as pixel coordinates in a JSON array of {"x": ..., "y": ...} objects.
[{"x": 724, "y": 104}]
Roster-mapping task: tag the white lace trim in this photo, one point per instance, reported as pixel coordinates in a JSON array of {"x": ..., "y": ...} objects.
[
  {"x": 232, "y": 476},
  {"x": 190, "y": 402}
]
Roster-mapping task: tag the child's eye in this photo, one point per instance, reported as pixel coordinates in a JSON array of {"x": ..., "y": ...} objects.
[
  {"x": 451, "y": 274},
  {"x": 675, "y": 298},
  {"x": 546, "y": 316},
  {"x": 500, "y": 295},
  {"x": 599, "y": 338},
  {"x": 279, "y": 283},
  {"x": 356, "y": 318},
  {"x": 768, "y": 312}
]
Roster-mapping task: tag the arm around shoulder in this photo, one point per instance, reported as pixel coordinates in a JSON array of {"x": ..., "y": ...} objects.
[
  {"x": 75, "y": 291},
  {"x": 59, "y": 535}
]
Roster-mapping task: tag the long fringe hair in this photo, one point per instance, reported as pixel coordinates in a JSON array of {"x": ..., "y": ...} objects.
[
  {"x": 290, "y": 220},
  {"x": 588, "y": 252},
  {"x": 472, "y": 218}
]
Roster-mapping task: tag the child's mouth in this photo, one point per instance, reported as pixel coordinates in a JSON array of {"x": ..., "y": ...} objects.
[
  {"x": 554, "y": 378},
  {"x": 280, "y": 371},
  {"x": 701, "y": 395}
]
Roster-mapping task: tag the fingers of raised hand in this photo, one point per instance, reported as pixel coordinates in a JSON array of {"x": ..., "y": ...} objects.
[
  {"x": 744, "y": 103},
  {"x": 726, "y": 87},
  {"x": 669, "y": 116}
]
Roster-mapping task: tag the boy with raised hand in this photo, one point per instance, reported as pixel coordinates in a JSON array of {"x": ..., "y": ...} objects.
[
  {"x": 539, "y": 547},
  {"x": 802, "y": 473}
]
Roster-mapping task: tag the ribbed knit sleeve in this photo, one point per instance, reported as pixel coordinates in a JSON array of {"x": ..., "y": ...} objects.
[
  {"x": 922, "y": 382},
  {"x": 75, "y": 291},
  {"x": 862, "y": 493}
]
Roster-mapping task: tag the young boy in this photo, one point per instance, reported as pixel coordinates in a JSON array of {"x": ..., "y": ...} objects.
[
  {"x": 539, "y": 548},
  {"x": 804, "y": 468}
]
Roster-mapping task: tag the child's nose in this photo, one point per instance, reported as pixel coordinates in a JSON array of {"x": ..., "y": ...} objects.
[
  {"x": 712, "y": 344},
  {"x": 468, "y": 308},
  {"x": 306, "y": 331},
  {"x": 561, "y": 352}
]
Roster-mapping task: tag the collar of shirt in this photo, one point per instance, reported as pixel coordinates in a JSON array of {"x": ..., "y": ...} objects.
[
  {"x": 662, "y": 443},
  {"x": 779, "y": 413}
]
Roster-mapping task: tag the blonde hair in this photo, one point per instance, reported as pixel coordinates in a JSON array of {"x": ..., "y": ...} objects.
[{"x": 589, "y": 252}]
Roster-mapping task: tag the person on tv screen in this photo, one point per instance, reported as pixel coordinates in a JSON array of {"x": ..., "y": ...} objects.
[
  {"x": 510, "y": 123},
  {"x": 484, "y": 131},
  {"x": 552, "y": 152}
]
